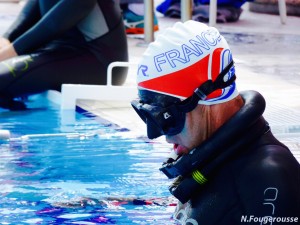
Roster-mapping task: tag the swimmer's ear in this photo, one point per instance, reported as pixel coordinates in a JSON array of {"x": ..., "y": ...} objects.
[{"x": 12, "y": 104}]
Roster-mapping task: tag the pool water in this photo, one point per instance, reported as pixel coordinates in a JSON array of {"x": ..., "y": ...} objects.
[{"x": 88, "y": 178}]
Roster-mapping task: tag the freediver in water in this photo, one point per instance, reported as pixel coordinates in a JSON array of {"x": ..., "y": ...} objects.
[{"x": 229, "y": 168}]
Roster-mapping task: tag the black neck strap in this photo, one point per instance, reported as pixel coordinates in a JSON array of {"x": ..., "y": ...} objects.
[{"x": 207, "y": 88}]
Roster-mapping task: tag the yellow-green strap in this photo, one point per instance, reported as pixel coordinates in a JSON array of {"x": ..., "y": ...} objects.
[{"x": 199, "y": 177}]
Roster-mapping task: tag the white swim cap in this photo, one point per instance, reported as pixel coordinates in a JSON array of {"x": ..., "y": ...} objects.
[{"x": 184, "y": 57}]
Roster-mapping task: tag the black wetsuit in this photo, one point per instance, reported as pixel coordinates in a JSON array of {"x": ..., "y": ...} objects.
[
  {"x": 63, "y": 41},
  {"x": 250, "y": 175}
]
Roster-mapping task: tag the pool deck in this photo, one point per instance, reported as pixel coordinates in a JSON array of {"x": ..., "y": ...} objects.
[{"x": 267, "y": 59}]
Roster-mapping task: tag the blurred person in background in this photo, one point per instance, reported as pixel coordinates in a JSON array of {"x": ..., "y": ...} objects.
[
  {"x": 133, "y": 15},
  {"x": 54, "y": 42},
  {"x": 227, "y": 10}
]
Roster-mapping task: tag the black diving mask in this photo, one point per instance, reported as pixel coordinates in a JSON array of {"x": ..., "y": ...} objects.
[{"x": 160, "y": 120}]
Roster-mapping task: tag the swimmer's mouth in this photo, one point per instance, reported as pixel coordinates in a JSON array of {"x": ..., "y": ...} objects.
[{"x": 173, "y": 156}]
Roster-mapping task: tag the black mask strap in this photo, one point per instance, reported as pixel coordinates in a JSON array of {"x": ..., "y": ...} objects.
[{"x": 207, "y": 88}]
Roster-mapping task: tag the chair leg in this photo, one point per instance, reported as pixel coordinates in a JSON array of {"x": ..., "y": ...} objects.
[
  {"x": 186, "y": 10},
  {"x": 282, "y": 11},
  {"x": 212, "y": 13}
]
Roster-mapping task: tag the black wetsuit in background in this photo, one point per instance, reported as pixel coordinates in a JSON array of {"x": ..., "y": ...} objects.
[{"x": 63, "y": 41}]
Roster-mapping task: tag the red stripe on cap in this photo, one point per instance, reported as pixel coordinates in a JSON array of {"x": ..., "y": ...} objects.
[
  {"x": 216, "y": 65},
  {"x": 182, "y": 82},
  {"x": 215, "y": 71}
]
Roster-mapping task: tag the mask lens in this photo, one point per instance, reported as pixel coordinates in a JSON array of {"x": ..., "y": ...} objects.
[
  {"x": 160, "y": 120},
  {"x": 136, "y": 105}
]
